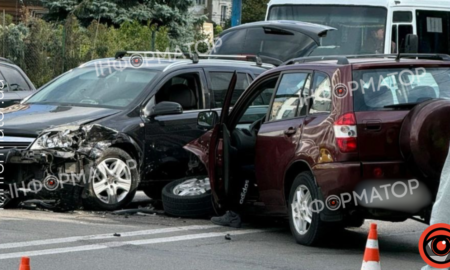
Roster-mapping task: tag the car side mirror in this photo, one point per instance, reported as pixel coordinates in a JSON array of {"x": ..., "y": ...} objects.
[
  {"x": 207, "y": 119},
  {"x": 412, "y": 44},
  {"x": 166, "y": 108}
]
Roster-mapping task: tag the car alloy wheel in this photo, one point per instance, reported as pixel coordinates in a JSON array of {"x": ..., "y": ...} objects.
[
  {"x": 192, "y": 187},
  {"x": 300, "y": 209},
  {"x": 112, "y": 181}
]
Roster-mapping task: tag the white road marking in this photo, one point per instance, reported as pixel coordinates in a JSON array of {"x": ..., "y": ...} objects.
[
  {"x": 103, "y": 236},
  {"x": 117, "y": 244}
]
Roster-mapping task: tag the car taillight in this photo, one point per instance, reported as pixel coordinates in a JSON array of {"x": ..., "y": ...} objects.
[{"x": 345, "y": 132}]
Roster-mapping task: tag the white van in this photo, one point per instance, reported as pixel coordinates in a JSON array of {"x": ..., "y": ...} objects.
[{"x": 368, "y": 26}]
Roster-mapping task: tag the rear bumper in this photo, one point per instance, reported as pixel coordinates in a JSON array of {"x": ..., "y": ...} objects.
[
  {"x": 336, "y": 178},
  {"x": 373, "y": 185}
]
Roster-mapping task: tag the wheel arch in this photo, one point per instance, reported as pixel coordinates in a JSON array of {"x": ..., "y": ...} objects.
[
  {"x": 129, "y": 148},
  {"x": 294, "y": 169}
]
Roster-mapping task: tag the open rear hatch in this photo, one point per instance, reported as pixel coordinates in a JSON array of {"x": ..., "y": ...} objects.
[{"x": 275, "y": 42}]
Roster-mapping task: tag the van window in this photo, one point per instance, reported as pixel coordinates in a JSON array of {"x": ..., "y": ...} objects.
[
  {"x": 433, "y": 29},
  {"x": 403, "y": 16},
  {"x": 357, "y": 26}
]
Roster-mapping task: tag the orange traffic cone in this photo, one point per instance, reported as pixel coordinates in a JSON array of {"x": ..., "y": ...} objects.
[
  {"x": 372, "y": 255},
  {"x": 25, "y": 264}
]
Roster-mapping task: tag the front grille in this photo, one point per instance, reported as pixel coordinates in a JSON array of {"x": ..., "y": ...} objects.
[{"x": 13, "y": 145}]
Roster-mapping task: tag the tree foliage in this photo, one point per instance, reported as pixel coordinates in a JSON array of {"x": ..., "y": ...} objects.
[
  {"x": 254, "y": 10},
  {"x": 173, "y": 14},
  {"x": 44, "y": 50}
]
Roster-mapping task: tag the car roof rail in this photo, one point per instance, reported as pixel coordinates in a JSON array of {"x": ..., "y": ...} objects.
[
  {"x": 2, "y": 59},
  {"x": 121, "y": 54},
  {"x": 341, "y": 60},
  {"x": 441, "y": 57},
  {"x": 248, "y": 57},
  {"x": 193, "y": 56}
]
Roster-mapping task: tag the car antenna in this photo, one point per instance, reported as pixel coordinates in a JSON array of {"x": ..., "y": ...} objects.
[{"x": 397, "y": 59}]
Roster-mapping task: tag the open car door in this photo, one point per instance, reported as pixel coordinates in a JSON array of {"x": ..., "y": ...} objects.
[{"x": 220, "y": 151}]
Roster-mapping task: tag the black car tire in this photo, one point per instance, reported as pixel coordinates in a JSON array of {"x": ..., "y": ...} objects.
[
  {"x": 186, "y": 206},
  {"x": 154, "y": 191},
  {"x": 90, "y": 200},
  {"x": 317, "y": 228}
]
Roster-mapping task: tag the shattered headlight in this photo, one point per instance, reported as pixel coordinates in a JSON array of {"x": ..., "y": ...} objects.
[{"x": 51, "y": 140}]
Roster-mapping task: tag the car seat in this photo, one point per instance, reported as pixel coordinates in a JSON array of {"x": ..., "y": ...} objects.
[{"x": 185, "y": 96}]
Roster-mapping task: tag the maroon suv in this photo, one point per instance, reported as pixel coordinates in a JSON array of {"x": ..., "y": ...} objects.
[{"x": 333, "y": 126}]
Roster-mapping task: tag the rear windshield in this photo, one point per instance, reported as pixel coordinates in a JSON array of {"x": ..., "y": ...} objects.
[
  {"x": 273, "y": 46},
  {"x": 379, "y": 89}
]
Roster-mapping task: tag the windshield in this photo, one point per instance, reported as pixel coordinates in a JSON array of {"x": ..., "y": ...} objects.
[
  {"x": 95, "y": 87},
  {"x": 378, "y": 88},
  {"x": 360, "y": 30}
]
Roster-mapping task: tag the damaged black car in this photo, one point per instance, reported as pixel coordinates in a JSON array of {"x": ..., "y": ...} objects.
[{"x": 95, "y": 135}]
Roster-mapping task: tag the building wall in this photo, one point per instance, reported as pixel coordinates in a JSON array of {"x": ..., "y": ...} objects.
[
  {"x": 22, "y": 9},
  {"x": 218, "y": 11}
]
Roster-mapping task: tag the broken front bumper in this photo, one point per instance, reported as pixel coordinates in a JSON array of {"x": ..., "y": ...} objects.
[{"x": 41, "y": 175}]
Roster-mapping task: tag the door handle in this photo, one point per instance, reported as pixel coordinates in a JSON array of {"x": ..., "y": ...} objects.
[
  {"x": 290, "y": 131},
  {"x": 373, "y": 126}
]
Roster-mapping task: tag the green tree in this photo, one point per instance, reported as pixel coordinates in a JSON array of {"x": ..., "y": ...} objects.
[
  {"x": 254, "y": 10},
  {"x": 173, "y": 14}
]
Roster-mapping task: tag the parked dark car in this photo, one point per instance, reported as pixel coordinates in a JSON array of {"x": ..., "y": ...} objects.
[
  {"x": 14, "y": 83},
  {"x": 333, "y": 126},
  {"x": 98, "y": 120}
]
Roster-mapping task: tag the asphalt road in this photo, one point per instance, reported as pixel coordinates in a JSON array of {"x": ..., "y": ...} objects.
[{"x": 85, "y": 240}]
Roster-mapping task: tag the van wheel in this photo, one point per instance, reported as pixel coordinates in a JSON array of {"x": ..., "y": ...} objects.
[
  {"x": 305, "y": 224},
  {"x": 112, "y": 183}
]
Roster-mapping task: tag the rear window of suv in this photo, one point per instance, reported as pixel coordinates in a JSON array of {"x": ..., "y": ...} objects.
[{"x": 377, "y": 89}]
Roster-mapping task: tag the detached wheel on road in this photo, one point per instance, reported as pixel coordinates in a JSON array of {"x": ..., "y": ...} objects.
[
  {"x": 306, "y": 226},
  {"x": 112, "y": 184},
  {"x": 189, "y": 197}
]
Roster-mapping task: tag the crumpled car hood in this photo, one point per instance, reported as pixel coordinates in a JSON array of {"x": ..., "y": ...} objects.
[{"x": 30, "y": 119}]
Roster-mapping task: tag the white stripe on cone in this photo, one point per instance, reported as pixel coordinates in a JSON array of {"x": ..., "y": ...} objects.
[
  {"x": 371, "y": 266},
  {"x": 373, "y": 244}
]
